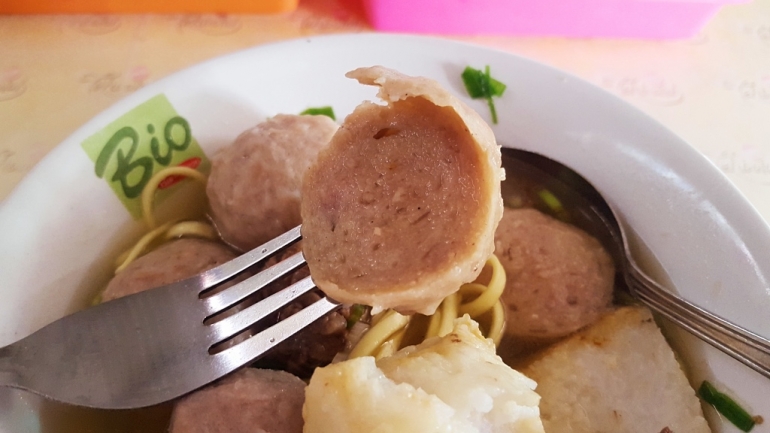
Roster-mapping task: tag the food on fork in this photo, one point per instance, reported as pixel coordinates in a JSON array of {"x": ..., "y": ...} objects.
[
  {"x": 254, "y": 185},
  {"x": 250, "y": 400},
  {"x": 401, "y": 207},
  {"x": 454, "y": 383}
]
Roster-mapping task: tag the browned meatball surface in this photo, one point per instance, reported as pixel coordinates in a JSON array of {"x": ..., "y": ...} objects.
[
  {"x": 171, "y": 262},
  {"x": 249, "y": 401},
  {"x": 399, "y": 210},
  {"x": 559, "y": 279},
  {"x": 254, "y": 185}
]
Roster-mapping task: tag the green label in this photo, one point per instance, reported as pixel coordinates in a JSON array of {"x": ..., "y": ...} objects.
[{"x": 147, "y": 139}]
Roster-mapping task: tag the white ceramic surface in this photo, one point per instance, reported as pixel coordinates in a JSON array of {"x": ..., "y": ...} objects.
[{"x": 61, "y": 221}]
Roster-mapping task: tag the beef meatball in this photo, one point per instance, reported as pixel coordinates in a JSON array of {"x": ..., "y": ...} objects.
[
  {"x": 250, "y": 400},
  {"x": 559, "y": 278},
  {"x": 173, "y": 261},
  {"x": 400, "y": 209},
  {"x": 254, "y": 185}
]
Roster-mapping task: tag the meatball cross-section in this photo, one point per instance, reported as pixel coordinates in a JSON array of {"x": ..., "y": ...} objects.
[{"x": 401, "y": 207}]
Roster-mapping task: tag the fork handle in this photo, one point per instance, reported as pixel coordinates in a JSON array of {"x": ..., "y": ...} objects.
[{"x": 745, "y": 346}]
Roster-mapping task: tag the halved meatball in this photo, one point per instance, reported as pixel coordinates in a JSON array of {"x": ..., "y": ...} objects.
[
  {"x": 173, "y": 261},
  {"x": 559, "y": 278},
  {"x": 400, "y": 209},
  {"x": 250, "y": 400},
  {"x": 254, "y": 185}
]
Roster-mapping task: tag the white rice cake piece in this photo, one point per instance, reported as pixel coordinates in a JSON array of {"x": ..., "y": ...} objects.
[
  {"x": 619, "y": 375},
  {"x": 452, "y": 384}
]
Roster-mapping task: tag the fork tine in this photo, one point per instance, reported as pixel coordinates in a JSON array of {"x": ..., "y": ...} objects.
[
  {"x": 232, "y": 295},
  {"x": 242, "y": 320},
  {"x": 232, "y": 268},
  {"x": 249, "y": 350}
]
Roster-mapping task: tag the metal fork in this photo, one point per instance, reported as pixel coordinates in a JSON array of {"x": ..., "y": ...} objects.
[{"x": 154, "y": 346}]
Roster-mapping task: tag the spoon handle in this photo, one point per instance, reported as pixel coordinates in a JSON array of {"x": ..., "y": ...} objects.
[{"x": 745, "y": 346}]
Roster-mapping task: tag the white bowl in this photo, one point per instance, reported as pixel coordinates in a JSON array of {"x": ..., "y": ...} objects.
[{"x": 62, "y": 225}]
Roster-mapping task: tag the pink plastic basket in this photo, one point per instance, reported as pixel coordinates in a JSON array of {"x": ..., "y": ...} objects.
[{"x": 655, "y": 19}]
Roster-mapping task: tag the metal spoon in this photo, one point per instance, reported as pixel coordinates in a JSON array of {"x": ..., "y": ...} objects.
[{"x": 537, "y": 181}]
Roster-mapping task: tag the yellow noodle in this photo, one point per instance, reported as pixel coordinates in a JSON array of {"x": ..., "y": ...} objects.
[
  {"x": 148, "y": 193},
  {"x": 387, "y": 334},
  {"x": 468, "y": 289},
  {"x": 191, "y": 228},
  {"x": 140, "y": 246},
  {"x": 448, "y": 314},
  {"x": 386, "y": 349},
  {"x": 435, "y": 322},
  {"x": 122, "y": 257},
  {"x": 486, "y": 300},
  {"x": 497, "y": 323},
  {"x": 390, "y": 323},
  {"x": 169, "y": 231},
  {"x": 377, "y": 317},
  {"x": 392, "y": 345}
]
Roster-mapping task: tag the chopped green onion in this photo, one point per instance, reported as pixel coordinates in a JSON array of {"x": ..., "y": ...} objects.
[
  {"x": 320, "y": 111},
  {"x": 475, "y": 83},
  {"x": 492, "y": 110},
  {"x": 356, "y": 312},
  {"x": 480, "y": 85},
  {"x": 554, "y": 205},
  {"x": 550, "y": 200},
  {"x": 726, "y": 406}
]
